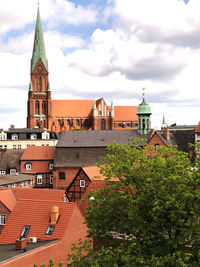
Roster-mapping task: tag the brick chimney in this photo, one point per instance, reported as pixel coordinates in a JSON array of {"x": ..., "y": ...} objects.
[
  {"x": 21, "y": 243},
  {"x": 54, "y": 214},
  {"x": 166, "y": 133}
]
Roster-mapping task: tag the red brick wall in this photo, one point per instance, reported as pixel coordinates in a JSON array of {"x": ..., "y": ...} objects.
[
  {"x": 58, "y": 251},
  {"x": 156, "y": 140},
  {"x": 70, "y": 174}
]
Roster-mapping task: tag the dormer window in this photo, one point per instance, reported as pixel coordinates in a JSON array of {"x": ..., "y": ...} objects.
[
  {"x": 28, "y": 166},
  {"x": 13, "y": 171},
  {"x": 14, "y": 137},
  {"x": 51, "y": 166},
  {"x": 45, "y": 135},
  {"x": 50, "y": 229},
  {"x": 25, "y": 231},
  {"x": 33, "y": 136}
]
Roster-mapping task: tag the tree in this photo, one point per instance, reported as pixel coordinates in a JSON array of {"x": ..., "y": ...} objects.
[{"x": 149, "y": 216}]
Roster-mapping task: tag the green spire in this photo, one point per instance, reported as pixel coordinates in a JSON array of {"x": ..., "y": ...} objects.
[
  {"x": 38, "y": 48},
  {"x": 30, "y": 86}
]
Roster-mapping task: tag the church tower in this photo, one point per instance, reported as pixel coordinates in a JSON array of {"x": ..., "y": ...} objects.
[
  {"x": 39, "y": 96},
  {"x": 144, "y": 113}
]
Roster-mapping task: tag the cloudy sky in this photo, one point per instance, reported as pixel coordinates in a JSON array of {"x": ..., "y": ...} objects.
[{"x": 105, "y": 48}]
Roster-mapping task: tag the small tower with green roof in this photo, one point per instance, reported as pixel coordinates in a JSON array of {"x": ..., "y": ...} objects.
[{"x": 144, "y": 114}]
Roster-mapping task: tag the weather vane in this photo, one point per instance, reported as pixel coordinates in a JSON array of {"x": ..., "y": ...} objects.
[{"x": 143, "y": 91}]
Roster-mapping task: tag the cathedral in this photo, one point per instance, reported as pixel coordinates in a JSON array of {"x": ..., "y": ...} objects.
[{"x": 59, "y": 115}]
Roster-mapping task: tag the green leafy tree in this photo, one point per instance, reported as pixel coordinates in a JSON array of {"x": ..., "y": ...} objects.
[{"x": 149, "y": 216}]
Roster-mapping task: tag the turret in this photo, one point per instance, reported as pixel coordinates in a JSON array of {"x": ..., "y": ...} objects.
[{"x": 144, "y": 120}]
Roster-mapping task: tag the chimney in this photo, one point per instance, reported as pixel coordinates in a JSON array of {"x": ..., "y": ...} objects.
[
  {"x": 21, "y": 243},
  {"x": 166, "y": 133},
  {"x": 54, "y": 214}
]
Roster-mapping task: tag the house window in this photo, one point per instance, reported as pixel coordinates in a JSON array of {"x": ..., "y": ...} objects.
[
  {"x": 51, "y": 166},
  {"x": 77, "y": 123},
  {"x": 12, "y": 171},
  {"x": 14, "y": 146},
  {"x": 33, "y": 136},
  {"x": 13, "y": 185},
  {"x": 82, "y": 183},
  {"x": 2, "y": 172},
  {"x": 50, "y": 229},
  {"x": 25, "y": 231},
  {"x": 19, "y": 146},
  {"x": 21, "y": 184},
  {"x": 28, "y": 166},
  {"x": 61, "y": 175},
  {"x": 68, "y": 122},
  {"x": 14, "y": 137},
  {"x": 39, "y": 178},
  {"x": 2, "y": 219},
  {"x": 51, "y": 179}
]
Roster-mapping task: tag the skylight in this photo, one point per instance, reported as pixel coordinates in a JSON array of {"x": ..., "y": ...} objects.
[{"x": 50, "y": 229}]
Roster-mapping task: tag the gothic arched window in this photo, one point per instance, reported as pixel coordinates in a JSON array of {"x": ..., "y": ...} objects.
[
  {"x": 37, "y": 107},
  {"x": 44, "y": 107},
  {"x": 40, "y": 84}
]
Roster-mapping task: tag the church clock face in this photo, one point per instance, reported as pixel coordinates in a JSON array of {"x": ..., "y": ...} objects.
[{"x": 40, "y": 68}]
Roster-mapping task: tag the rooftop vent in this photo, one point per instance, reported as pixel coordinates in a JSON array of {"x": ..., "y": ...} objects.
[{"x": 54, "y": 214}]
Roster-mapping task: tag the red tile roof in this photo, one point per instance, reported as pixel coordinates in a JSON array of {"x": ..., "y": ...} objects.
[
  {"x": 197, "y": 130},
  {"x": 7, "y": 199},
  {"x": 38, "y": 194},
  {"x": 125, "y": 113},
  {"x": 39, "y": 153},
  {"x": 93, "y": 172},
  {"x": 72, "y": 108},
  {"x": 36, "y": 214},
  {"x": 37, "y": 166}
]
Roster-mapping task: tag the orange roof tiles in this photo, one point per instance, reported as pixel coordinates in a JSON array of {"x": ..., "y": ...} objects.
[
  {"x": 125, "y": 113},
  {"x": 37, "y": 167},
  {"x": 36, "y": 214},
  {"x": 38, "y": 194},
  {"x": 72, "y": 108},
  {"x": 7, "y": 199},
  {"x": 39, "y": 153},
  {"x": 93, "y": 171}
]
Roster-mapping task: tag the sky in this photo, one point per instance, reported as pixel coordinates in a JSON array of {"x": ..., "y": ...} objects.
[{"x": 105, "y": 48}]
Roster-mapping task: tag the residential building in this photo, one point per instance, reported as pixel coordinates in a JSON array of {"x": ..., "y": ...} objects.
[
  {"x": 38, "y": 160},
  {"x": 21, "y": 138}
]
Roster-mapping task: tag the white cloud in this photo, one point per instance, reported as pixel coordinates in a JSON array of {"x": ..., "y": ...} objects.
[{"x": 152, "y": 43}]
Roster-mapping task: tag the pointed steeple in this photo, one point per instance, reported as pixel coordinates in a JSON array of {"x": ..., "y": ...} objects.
[
  {"x": 38, "y": 48},
  {"x": 30, "y": 87}
]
